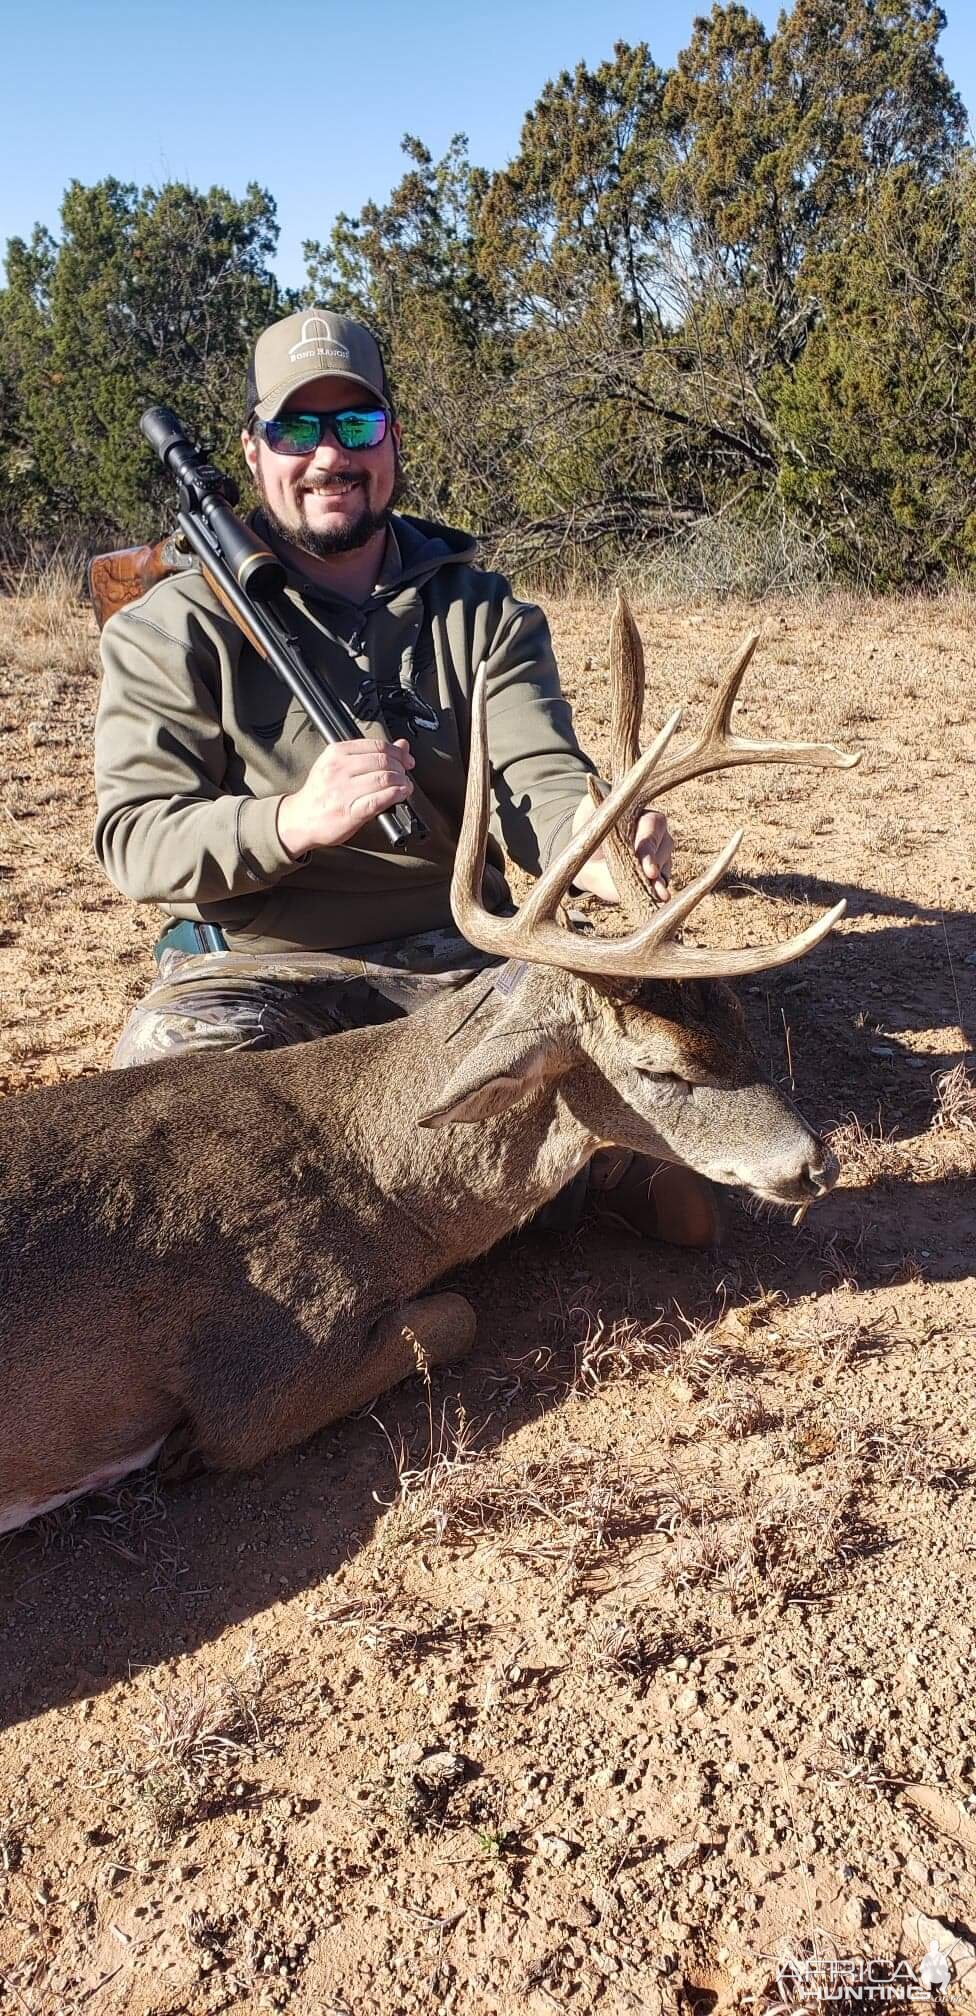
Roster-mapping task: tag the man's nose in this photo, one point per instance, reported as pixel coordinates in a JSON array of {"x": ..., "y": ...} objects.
[{"x": 330, "y": 455}]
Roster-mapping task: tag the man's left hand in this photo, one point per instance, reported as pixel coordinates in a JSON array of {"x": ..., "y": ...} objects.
[{"x": 652, "y": 846}]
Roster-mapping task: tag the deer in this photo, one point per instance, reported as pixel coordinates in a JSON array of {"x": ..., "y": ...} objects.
[{"x": 206, "y": 1260}]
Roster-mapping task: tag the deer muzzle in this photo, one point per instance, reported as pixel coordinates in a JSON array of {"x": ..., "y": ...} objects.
[{"x": 798, "y": 1177}]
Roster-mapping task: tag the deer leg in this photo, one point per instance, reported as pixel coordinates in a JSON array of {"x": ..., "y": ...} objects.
[
  {"x": 236, "y": 1434},
  {"x": 434, "y": 1330}
]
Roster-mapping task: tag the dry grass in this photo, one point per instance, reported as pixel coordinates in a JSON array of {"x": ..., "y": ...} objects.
[
  {"x": 877, "y": 1455},
  {"x": 955, "y": 1101},
  {"x": 786, "y": 1544},
  {"x": 194, "y": 1739},
  {"x": 617, "y": 1350},
  {"x": 45, "y": 627},
  {"x": 621, "y": 1646},
  {"x": 867, "y": 1153},
  {"x": 560, "y": 1511}
]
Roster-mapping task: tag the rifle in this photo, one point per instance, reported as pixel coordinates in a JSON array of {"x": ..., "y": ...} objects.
[{"x": 244, "y": 575}]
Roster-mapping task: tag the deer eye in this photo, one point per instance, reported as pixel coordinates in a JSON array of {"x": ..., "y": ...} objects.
[{"x": 663, "y": 1077}]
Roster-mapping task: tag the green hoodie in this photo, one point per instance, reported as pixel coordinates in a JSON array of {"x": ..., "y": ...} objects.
[{"x": 197, "y": 741}]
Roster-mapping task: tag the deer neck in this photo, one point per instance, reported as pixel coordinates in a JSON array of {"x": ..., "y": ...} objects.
[{"x": 473, "y": 1182}]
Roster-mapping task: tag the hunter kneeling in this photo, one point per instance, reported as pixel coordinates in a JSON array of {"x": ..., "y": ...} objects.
[{"x": 218, "y": 801}]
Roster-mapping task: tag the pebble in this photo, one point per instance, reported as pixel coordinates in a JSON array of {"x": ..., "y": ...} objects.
[{"x": 556, "y": 1849}]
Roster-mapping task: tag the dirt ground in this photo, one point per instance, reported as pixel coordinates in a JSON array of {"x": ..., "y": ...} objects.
[{"x": 635, "y": 1664}]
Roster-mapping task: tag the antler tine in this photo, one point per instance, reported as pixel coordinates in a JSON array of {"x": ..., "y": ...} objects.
[
  {"x": 716, "y": 748},
  {"x": 532, "y": 935},
  {"x": 719, "y": 714},
  {"x": 659, "y": 961},
  {"x": 626, "y": 688},
  {"x": 544, "y": 899},
  {"x": 626, "y": 711}
]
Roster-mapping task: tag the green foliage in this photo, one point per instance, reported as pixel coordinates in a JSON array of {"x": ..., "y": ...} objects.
[
  {"x": 147, "y": 296},
  {"x": 733, "y": 294},
  {"x": 876, "y": 421}
]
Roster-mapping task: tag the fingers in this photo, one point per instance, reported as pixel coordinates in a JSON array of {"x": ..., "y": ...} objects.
[
  {"x": 361, "y": 758},
  {"x": 652, "y": 845},
  {"x": 369, "y": 803}
]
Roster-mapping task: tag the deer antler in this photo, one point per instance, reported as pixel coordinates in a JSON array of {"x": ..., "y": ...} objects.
[
  {"x": 650, "y": 950},
  {"x": 714, "y": 748},
  {"x": 647, "y": 952}
]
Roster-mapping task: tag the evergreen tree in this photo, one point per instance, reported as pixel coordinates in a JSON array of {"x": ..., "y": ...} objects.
[{"x": 147, "y": 296}]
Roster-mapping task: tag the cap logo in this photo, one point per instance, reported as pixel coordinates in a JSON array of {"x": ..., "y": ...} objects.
[{"x": 317, "y": 340}]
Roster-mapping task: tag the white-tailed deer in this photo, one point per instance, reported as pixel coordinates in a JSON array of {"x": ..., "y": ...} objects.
[{"x": 223, "y": 1254}]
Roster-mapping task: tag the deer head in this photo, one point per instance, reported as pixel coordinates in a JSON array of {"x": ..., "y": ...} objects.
[{"x": 637, "y": 1036}]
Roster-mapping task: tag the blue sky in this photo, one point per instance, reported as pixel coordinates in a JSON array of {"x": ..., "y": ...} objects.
[{"x": 308, "y": 98}]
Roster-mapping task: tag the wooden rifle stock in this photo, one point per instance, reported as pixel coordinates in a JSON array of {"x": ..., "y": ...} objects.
[{"x": 116, "y": 579}]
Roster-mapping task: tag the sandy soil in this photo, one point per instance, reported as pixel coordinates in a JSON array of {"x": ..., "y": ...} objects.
[{"x": 638, "y": 1660}]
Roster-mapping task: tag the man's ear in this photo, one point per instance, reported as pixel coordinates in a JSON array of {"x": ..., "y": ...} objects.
[{"x": 494, "y": 1076}]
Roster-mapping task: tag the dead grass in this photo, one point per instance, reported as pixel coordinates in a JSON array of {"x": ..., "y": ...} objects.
[
  {"x": 955, "y": 1101},
  {"x": 867, "y": 1154},
  {"x": 787, "y": 1544},
  {"x": 872, "y": 1455},
  {"x": 621, "y": 1646},
  {"x": 618, "y": 1350},
  {"x": 561, "y": 1512},
  {"x": 197, "y": 1733},
  {"x": 45, "y": 627}
]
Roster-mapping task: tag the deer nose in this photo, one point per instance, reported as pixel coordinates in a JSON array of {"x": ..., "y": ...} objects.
[{"x": 821, "y": 1170}]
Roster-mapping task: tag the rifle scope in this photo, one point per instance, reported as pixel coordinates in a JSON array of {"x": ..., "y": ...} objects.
[{"x": 205, "y": 489}]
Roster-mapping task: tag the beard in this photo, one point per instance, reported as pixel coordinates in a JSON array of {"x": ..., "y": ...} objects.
[{"x": 347, "y": 539}]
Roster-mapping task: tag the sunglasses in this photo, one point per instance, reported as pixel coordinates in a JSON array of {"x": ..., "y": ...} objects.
[{"x": 300, "y": 433}]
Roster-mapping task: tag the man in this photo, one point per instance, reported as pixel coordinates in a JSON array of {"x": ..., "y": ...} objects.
[{"x": 217, "y": 800}]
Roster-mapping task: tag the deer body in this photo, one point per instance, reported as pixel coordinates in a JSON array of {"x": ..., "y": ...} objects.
[
  {"x": 224, "y": 1253},
  {"x": 227, "y": 1246}
]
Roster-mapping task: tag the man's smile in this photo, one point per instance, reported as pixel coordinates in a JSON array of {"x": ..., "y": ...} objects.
[
  {"x": 343, "y": 479},
  {"x": 333, "y": 486}
]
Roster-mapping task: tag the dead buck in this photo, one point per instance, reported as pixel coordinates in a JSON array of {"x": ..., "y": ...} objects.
[{"x": 223, "y": 1254}]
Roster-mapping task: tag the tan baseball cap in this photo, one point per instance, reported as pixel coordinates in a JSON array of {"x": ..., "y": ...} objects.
[{"x": 314, "y": 343}]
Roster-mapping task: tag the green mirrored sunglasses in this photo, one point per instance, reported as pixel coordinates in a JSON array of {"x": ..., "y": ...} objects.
[{"x": 300, "y": 433}]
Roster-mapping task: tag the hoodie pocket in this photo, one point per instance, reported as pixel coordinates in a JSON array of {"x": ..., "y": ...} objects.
[{"x": 267, "y": 732}]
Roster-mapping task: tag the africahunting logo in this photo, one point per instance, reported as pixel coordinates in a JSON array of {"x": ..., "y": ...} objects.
[{"x": 808, "y": 1981}]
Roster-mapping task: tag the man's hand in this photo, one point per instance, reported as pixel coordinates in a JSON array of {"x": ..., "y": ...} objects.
[
  {"x": 346, "y": 787},
  {"x": 652, "y": 846}
]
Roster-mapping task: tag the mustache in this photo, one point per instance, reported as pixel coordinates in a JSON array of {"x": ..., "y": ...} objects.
[{"x": 328, "y": 482}]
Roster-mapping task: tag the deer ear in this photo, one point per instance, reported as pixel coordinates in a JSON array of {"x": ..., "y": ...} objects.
[{"x": 493, "y": 1077}]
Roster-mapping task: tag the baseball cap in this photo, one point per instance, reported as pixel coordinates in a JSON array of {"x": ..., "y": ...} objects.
[{"x": 313, "y": 343}]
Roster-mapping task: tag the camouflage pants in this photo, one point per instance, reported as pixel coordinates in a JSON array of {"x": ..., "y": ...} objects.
[
  {"x": 233, "y": 1001},
  {"x": 247, "y": 1001}
]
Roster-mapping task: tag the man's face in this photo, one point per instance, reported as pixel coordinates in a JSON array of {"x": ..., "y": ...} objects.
[{"x": 333, "y": 500}]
